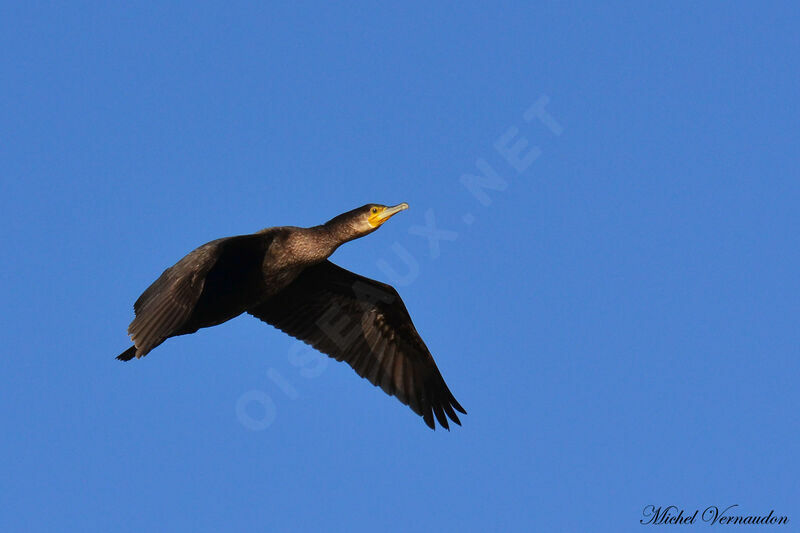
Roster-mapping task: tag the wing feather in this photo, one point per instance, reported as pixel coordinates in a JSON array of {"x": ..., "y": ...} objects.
[
  {"x": 167, "y": 307},
  {"x": 365, "y": 323}
]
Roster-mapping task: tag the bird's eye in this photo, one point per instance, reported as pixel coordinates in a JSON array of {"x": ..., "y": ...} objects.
[{"x": 374, "y": 210}]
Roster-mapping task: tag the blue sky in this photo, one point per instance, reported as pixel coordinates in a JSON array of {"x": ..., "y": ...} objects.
[{"x": 620, "y": 321}]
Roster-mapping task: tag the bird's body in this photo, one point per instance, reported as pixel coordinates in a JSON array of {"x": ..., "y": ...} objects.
[{"x": 281, "y": 275}]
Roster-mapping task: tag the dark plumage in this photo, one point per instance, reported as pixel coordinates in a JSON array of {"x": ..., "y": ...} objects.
[{"x": 282, "y": 276}]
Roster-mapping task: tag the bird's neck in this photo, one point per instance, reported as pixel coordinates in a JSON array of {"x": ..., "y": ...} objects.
[
  {"x": 326, "y": 241},
  {"x": 317, "y": 243},
  {"x": 340, "y": 230},
  {"x": 306, "y": 245}
]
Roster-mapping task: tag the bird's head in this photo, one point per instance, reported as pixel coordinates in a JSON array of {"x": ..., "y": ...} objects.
[
  {"x": 376, "y": 214},
  {"x": 363, "y": 220}
]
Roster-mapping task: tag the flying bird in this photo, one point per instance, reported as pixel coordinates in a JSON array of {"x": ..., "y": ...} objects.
[{"x": 282, "y": 276}]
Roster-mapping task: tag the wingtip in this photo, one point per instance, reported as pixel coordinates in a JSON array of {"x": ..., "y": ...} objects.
[
  {"x": 427, "y": 416},
  {"x": 457, "y": 405},
  {"x": 128, "y": 354}
]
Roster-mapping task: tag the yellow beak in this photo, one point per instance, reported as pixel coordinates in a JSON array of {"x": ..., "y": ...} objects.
[{"x": 382, "y": 216}]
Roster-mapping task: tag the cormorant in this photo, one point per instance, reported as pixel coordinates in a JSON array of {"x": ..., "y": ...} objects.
[{"x": 282, "y": 276}]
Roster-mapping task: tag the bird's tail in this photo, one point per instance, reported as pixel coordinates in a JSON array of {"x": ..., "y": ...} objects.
[{"x": 128, "y": 354}]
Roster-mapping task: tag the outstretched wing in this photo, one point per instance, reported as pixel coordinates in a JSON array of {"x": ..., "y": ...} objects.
[
  {"x": 206, "y": 274},
  {"x": 365, "y": 323}
]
